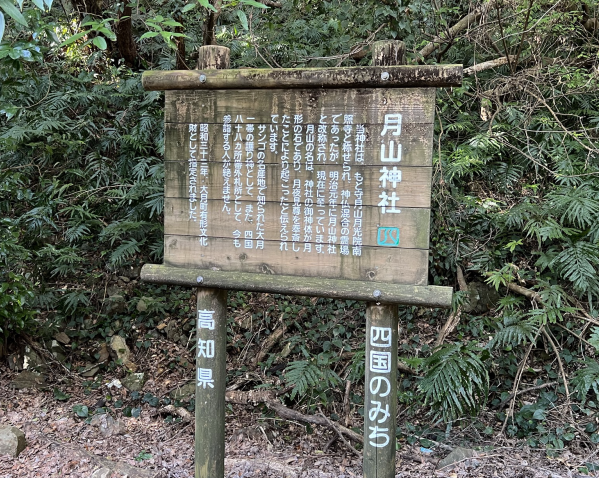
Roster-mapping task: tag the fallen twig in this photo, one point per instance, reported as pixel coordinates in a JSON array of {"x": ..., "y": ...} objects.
[
  {"x": 289, "y": 414},
  {"x": 251, "y": 396},
  {"x": 561, "y": 367},
  {"x": 270, "y": 342},
  {"x": 510, "y": 411},
  {"x": 346, "y": 406},
  {"x": 181, "y": 412},
  {"x": 336, "y": 429}
]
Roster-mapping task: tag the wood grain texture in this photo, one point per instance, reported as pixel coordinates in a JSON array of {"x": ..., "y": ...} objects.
[
  {"x": 368, "y": 106},
  {"x": 416, "y": 140},
  {"x": 352, "y": 77},
  {"x": 379, "y": 461},
  {"x": 420, "y": 296},
  {"x": 413, "y": 223},
  {"x": 210, "y": 398},
  {"x": 379, "y": 264},
  {"x": 414, "y": 189}
]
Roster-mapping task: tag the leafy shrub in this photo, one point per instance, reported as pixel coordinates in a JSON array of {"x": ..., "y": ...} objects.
[{"x": 16, "y": 315}]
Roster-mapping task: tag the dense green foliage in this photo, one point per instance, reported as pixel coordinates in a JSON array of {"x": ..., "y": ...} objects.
[{"x": 516, "y": 183}]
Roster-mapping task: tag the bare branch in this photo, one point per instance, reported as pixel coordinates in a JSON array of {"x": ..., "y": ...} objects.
[
  {"x": 526, "y": 390},
  {"x": 487, "y": 65},
  {"x": 463, "y": 24}
]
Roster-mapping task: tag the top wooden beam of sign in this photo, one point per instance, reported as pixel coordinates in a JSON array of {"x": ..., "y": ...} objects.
[{"x": 355, "y": 77}]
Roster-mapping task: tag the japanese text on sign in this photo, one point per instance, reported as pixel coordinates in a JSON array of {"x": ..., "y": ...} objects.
[
  {"x": 379, "y": 363},
  {"x": 320, "y": 181},
  {"x": 205, "y": 347}
]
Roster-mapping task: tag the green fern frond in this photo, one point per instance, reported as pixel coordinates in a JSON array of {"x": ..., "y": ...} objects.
[
  {"x": 302, "y": 375},
  {"x": 594, "y": 338},
  {"x": 456, "y": 381},
  {"x": 76, "y": 232},
  {"x": 72, "y": 300},
  {"x": 578, "y": 206},
  {"x": 514, "y": 331},
  {"x": 548, "y": 228},
  {"x": 586, "y": 379},
  {"x": 305, "y": 375},
  {"x": 124, "y": 252},
  {"x": 579, "y": 263}
]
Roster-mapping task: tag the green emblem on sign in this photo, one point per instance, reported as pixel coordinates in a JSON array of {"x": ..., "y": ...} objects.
[{"x": 388, "y": 236}]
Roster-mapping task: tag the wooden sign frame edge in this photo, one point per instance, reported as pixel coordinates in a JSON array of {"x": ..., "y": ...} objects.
[
  {"x": 380, "y": 292},
  {"x": 402, "y": 76}
]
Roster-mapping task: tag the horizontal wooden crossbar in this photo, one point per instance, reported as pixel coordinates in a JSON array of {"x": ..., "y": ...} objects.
[
  {"x": 353, "y": 77},
  {"x": 421, "y": 296}
]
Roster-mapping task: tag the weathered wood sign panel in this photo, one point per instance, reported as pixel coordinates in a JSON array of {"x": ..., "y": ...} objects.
[{"x": 328, "y": 183}]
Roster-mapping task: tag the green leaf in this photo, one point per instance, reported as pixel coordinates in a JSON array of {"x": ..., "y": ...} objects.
[
  {"x": 148, "y": 35},
  {"x": 539, "y": 414},
  {"x": 13, "y": 12},
  {"x": 188, "y": 7},
  {"x": 39, "y": 4},
  {"x": 243, "y": 19},
  {"x": 72, "y": 38},
  {"x": 144, "y": 455},
  {"x": 81, "y": 410},
  {"x": 206, "y": 4},
  {"x": 100, "y": 43},
  {"x": 60, "y": 395},
  {"x": 252, "y": 3},
  {"x": 107, "y": 33},
  {"x": 1, "y": 25},
  {"x": 171, "y": 23}
]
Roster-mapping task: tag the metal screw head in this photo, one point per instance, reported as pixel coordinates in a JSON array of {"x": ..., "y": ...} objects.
[
  {"x": 200, "y": 279},
  {"x": 385, "y": 75},
  {"x": 376, "y": 294},
  {"x": 203, "y": 78}
]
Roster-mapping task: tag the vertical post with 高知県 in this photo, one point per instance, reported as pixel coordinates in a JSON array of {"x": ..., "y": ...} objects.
[
  {"x": 211, "y": 377},
  {"x": 211, "y": 347},
  {"x": 380, "y": 403}
]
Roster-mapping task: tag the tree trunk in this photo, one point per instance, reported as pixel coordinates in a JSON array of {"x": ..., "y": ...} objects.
[
  {"x": 124, "y": 37},
  {"x": 209, "y": 37}
]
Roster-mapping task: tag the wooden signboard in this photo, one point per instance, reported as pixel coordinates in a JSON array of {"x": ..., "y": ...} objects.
[
  {"x": 312, "y": 182},
  {"x": 329, "y": 183}
]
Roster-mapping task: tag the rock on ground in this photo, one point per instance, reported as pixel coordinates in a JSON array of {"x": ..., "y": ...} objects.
[
  {"x": 457, "y": 455},
  {"x": 27, "y": 379},
  {"x": 134, "y": 382},
  {"x": 12, "y": 441}
]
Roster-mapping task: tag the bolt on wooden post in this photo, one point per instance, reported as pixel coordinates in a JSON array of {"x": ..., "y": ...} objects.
[
  {"x": 380, "y": 402},
  {"x": 211, "y": 347}
]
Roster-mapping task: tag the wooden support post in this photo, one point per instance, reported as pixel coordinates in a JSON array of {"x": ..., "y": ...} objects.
[
  {"x": 211, "y": 378},
  {"x": 380, "y": 401},
  {"x": 211, "y": 348},
  {"x": 380, "y": 404}
]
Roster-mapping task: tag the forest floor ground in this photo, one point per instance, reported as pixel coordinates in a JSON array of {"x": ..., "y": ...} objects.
[{"x": 258, "y": 443}]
